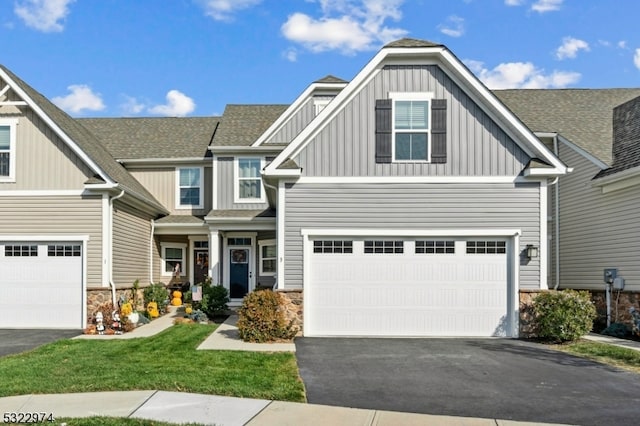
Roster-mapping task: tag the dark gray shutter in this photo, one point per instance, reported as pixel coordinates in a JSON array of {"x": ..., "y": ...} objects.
[
  {"x": 384, "y": 128},
  {"x": 439, "y": 131}
]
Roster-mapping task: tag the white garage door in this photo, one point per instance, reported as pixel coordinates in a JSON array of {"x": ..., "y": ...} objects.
[
  {"x": 407, "y": 287},
  {"x": 41, "y": 285}
]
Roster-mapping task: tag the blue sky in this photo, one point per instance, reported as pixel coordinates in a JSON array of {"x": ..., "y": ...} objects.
[{"x": 192, "y": 57}]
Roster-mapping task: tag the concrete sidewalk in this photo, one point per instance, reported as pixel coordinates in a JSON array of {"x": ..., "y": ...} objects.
[{"x": 176, "y": 407}]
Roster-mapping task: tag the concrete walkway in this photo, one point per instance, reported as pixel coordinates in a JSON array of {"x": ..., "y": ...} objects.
[
  {"x": 147, "y": 330},
  {"x": 227, "y": 338},
  {"x": 176, "y": 407},
  {"x": 629, "y": 344}
]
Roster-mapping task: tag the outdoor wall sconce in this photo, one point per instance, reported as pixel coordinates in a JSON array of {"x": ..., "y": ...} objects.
[{"x": 532, "y": 251}]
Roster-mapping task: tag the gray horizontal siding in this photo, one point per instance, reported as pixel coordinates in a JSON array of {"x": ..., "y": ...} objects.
[
  {"x": 131, "y": 233},
  {"x": 597, "y": 230},
  {"x": 411, "y": 206},
  {"x": 476, "y": 146},
  {"x": 60, "y": 215},
  {"x": 39, "y": 148},
  {"x": 295, "y": 124},
  {"x": 161, "y": 183},
  {"x": 226, "y": 187}
]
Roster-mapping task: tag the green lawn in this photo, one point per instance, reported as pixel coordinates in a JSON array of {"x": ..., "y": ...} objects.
[
  {"x": 608, "y": 354},
  {"x": 115, "y": 421},
  {"x": 168, "y": 361}
]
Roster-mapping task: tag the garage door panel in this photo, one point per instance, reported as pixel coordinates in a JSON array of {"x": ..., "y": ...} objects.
[
  {"x": 407, "y": 294},
  {"x": 41, "y": 291}
]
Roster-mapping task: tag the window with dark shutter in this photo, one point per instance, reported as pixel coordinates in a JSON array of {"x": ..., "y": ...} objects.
[
  {"x": 384, "y": 129},
  {"x": 439, "y": 131}
]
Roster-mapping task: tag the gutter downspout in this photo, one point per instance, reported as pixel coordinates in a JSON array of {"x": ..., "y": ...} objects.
[
  {"x": 153, "y": 230},
  {"x": 110, "y": 236},
  {"x": 556, "y": 222}
]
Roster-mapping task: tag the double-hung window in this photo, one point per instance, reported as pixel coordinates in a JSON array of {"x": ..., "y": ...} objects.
[
  {"x": 173, "y": 259},
  {"x": 189, "y": 191},
  {"x": 248, "y": 185},
  {"x": 411, "y": 118},
  {"x": 7, "y": 150},
  {"x": 268, "y": 257}
]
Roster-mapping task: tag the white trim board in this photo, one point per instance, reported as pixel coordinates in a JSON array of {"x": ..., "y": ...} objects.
[{"x": 497, "y": 232}]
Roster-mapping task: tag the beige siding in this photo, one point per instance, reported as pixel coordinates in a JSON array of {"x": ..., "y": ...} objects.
[
  {"x": 43, "y": 161},
  {"x": 476, "y": 146},
  {"x": 60, "y": 215},
  {"x": 597, "y": 230},
  {"x": 161, "y": 182},
  {"x": 131, "y": 233},
  {"x": 157, "y": 259}
]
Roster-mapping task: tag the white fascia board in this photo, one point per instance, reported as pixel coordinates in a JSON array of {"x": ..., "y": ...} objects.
[
  {"x": 350, "y": 232},
  {"x": 163, "y": 161},
  {"x": 213, "y": 219},
  {"x": 294, "y": 108},
  {"x": 49, "y": 237},
  {"x": 245, "y": 149},
  {"x": 617, "y": 181},
  {"x": 499, "y": 112},
  {"x": 282, "y": 173},
  {"x": 44, "y": 117},
  {"x": 411, "y": 179},
  {"x": 599, "y": 163},
  {"x": 545, "y": 172},
  {"x": 297, "y": 144}
]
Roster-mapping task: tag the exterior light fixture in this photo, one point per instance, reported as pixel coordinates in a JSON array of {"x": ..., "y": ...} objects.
[{"x": 532, "y": 251}]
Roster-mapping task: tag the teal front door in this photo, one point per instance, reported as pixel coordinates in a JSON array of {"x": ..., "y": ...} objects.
[{"x": 239, "y": 273}]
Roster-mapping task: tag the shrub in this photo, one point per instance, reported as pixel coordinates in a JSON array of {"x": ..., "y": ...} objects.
[
  {"x": 261, "y": 318},
  {"x": 617, "y": 329},
  {"x": 214, "y": 299},
  {"x": 156, "y": 293},
  {"x": 562, "y": 316}
]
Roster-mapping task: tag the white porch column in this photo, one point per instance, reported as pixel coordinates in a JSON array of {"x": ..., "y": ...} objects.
[{"x": 214, "y": 257}]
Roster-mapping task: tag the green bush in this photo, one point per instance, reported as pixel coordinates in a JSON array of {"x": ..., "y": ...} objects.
[
  {"x": 214, "y": 299},
  {"x": 617, "y": 329},
  {"x": 156, "y": 293},
  {"x": 261, "y": 318},
  {"x": 562, "y": 316}
]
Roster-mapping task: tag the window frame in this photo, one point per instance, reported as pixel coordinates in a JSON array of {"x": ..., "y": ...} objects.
[
  {"x": 200, "y": 187},
  {"x": 237, "y": 179},
  {"x": 13, "y": 125},
  {"x": 267, "y": 243},
  {"x": 163, "y": 258},
  {"x": 410, "y": 96}
]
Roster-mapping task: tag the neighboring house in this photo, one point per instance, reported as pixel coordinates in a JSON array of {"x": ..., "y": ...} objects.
[{"x": 409, "y": 201}]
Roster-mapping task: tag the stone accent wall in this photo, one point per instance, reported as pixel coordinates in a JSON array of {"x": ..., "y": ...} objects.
[
  {"x": 100, "y": 296},
  {"x": 293, "y": 307}
]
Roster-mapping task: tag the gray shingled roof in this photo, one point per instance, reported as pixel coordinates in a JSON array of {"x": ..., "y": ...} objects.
[
  {"x": 174, "y": 219},
  {"x": 412, "y": 42},
  {"x": 583, "y": 116},
  {"x": 242, "y": 125},
  {"x": 330, "y": 79},
  {"x": 154, "y": 137},
  {"x": 87, "y": 142}
]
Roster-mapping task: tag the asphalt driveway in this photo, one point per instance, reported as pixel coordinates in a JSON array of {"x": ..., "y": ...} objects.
[
  {"x": 488, "y": 378},
  {"x": 16, "y": 341}
]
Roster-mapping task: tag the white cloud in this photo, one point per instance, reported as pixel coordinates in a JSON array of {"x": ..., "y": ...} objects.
[
  {"x": 131, "y": 106},
  {"x": 521, "y": 75},
  {"x": 513, "y": 2},
  {"x": 290, "y": 54},
  {"x": 570, "y": 47},
  {"x": 543, "y": 6},
  {"x": 636, "y": 59},
  {"x": 454, "y": 27},
  {"x": 223, "y": 10},
  {"x": 43, "y": 15},
  {"x": 81, "y": 99},
  {"x": 346, "y": 25},
  {"x": 178, "y": 105},
  {"x": 622, "y": 44}
]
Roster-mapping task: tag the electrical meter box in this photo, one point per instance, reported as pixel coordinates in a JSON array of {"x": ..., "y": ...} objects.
[
  {"x": 618, "y": 283},
  {"x": 610, "y": 275}
]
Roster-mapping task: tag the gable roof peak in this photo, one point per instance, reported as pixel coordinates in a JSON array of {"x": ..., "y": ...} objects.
[
  {"x": 330, "y": 79},
  {"x": 411, "y": 42}
]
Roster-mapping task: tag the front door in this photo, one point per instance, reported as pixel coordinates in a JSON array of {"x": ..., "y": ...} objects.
[
  {"x": 201, "y": 265},
  {"x": 239, "y": 273}
]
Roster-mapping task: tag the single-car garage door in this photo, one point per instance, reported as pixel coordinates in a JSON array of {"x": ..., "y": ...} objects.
[
  {"x": 407, "y": 287},
  {"x": 41, "y": 285}
]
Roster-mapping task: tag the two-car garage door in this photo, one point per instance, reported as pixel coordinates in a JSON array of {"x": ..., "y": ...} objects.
[
  {"x": 41, "y": 284},
  {"x": 407, "y": 287}
]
